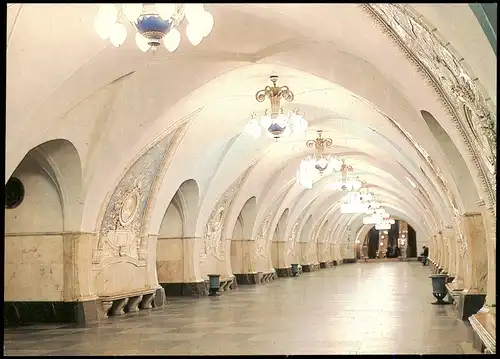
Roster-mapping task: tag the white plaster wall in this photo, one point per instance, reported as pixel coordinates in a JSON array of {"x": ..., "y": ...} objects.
[{"x": 34, "y": 241}]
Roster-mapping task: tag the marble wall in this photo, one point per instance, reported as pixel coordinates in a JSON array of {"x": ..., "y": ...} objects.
[{"x": 34, "y": 267}]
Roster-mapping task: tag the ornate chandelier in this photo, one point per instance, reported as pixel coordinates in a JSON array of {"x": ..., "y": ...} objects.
[
  {"x": 320, "y": 161},
  {"x": 276, "y": 123},
  {"x": 351, "y": 204},
  {"x": 154, "y": 23}
]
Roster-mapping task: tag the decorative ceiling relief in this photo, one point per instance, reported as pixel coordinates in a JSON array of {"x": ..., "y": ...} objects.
[
  {"x": 459, "y": 92},
  {"x": 296, "y": 226},
  {"x": 212, "y": 245},
  {"x": 262, "y": 238},
  {"x": 121, "y": 227}
]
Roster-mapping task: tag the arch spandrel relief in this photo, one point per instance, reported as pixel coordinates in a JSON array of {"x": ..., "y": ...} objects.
[
  {"x": 121, "y": 227},
  {"x": 212, "y": 245},
  {"x": 295, "y": 230},
  {"x": 262, "y": 238},
  {"x": 460, "y": 93}
]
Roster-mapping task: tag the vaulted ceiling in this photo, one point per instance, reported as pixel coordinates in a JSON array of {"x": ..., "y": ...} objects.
[{"x": 349, "y": 76}]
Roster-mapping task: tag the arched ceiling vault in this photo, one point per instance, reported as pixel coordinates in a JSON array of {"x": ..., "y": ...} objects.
[{"x": 347, "y": 75}]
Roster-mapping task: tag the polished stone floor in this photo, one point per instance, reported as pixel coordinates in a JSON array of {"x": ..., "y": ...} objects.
[{"x": 350, "y": 309}]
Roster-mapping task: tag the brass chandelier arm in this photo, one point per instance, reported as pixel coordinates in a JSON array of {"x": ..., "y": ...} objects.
[
  {"x": 261, "y": 95},
  {"x": 286, "y": 94}
]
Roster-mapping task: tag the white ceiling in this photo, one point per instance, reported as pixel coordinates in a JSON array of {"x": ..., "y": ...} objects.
[{"x": 63, "y": 81}]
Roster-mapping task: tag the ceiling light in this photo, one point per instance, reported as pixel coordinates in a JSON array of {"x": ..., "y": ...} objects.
[
  {"x": 274, "y": 121},
  {"x": 154, "y": 23}
]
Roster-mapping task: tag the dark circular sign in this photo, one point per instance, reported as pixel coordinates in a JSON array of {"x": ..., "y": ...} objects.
[{"x": 14, "y": 193}]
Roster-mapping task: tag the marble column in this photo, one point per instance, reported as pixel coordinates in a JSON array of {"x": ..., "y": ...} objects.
[
  {"x": 323, "y": 253},
  {"x": 78, "y": 280},
  {"x": 489, "y": 223},
  {"x": 439, "y": 242},
  {"x": 446, "y": 252},
  {"x": 476, "y": 274},
  {"x": 459, "y": 260},
  {"x": 449, "y": 235}
]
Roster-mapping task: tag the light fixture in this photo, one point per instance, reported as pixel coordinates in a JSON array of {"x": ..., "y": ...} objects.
[
  {"x": 319, "y": 160},
  {"x": 382, "y": 226},
  {"x": 275, "y": 122},
  {"x": 154, "y": 23},
  {"x": 352, "y": 205}
]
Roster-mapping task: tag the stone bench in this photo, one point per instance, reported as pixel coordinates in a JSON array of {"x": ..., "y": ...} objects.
[
  {"x": 484, "y": 326},
  {"x": 128, "y": 302}
]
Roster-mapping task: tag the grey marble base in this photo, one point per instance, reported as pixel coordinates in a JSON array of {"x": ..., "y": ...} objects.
[
  {"x": 18, "y": 313},
  {"x": 185, "y": 289},
  {"x": 327, "y": 264},
  {"x": 310, "y": 267},
  {"x": 469, "y": 304},
  {"x": 284, "y": 272},
  {"x": 349, "y": 260},
  {"x": 248, "y": 278}
]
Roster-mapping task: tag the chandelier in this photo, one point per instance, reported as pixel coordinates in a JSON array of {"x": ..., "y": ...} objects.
[
  {"x": 275, "y": 122},
  {"x": 320, "y": 161},
  {"x": 154, "y": 23},
  {"x": 352, "y": 204}
]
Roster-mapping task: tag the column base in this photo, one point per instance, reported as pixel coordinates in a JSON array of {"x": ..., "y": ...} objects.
[
  {"x": 248, "y": 278},
  {"x": 349, "y": 260},
  {"x": 185, "y": 289},
  {"x": 327, "y": 264},
  {"x": 18, "y": 313},
  {"x": 310, "y": 267},
  {"x": 469, "y": 304},
  {"x": 284, "y": 272}
]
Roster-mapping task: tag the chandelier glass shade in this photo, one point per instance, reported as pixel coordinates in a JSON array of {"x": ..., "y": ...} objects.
[
  {"x": 347, "y": 185},
  {"x": 154, "y": 23},
  {"x": 274, "y": 122},
  {"x": 382, "y": 226},
  {"x": 352, "y": 204}
]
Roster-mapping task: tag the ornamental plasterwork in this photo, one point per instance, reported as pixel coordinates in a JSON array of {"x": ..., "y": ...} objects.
[
  {"x": 212, "y": 244},
  {"x": 295, "y": 229},
  {"x": 262, "y": 238},
  {"x": 458, "y": 90},
  {"x": 121, "y": 227}
]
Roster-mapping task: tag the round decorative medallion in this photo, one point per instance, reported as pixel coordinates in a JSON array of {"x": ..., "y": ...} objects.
[
  {"x": 129, "y": 208},
  {"x": 14, "y": 193}
]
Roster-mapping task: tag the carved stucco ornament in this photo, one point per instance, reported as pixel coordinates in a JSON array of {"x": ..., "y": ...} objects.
[
  {"x": 295, "y": 229},
  {"x": 212, "y": 244},
  {"x": 458, "y": 91},
  {"x": 120, "y": 235},
  {"x": 262, "y": 238}
]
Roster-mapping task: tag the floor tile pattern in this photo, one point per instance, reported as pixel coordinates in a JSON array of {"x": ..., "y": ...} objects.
[{"x": 350, "y": 309}]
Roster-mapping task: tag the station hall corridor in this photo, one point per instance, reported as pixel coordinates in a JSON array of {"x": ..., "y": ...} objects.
[{"x": 350, "y": 309}]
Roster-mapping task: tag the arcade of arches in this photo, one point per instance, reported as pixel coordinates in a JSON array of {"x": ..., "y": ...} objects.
[{"x": 129, "y": 177}]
